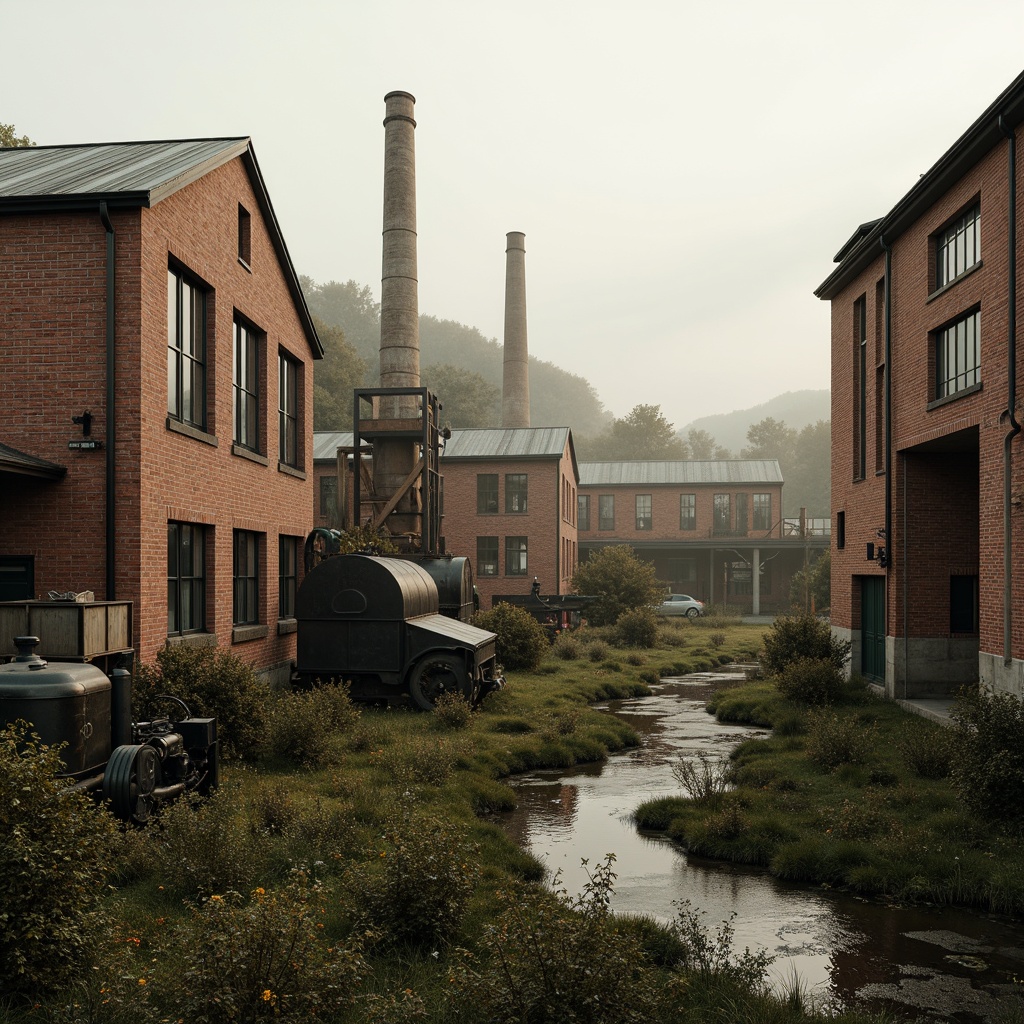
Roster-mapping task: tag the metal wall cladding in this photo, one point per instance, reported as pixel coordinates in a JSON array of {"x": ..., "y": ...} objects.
[{"x": 65, "y": 704}]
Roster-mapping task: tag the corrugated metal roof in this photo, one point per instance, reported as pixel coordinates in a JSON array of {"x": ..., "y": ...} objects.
[
  {"x": 511, "y": 443},
  {"x": 142, "y": 173},
  {"x": 719, "y": 471},
  {"x": 327, "y": 442}
]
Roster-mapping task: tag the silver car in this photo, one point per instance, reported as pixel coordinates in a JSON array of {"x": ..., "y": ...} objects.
[{"x": 681, "y": 604}]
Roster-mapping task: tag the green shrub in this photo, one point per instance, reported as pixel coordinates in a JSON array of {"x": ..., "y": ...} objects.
[
  {"x": 213, "y": 683},
  {"x": 55, "y": 849},
  {"x": 927, "y": 750},
  {"x": 452, "y": 711},
  {"x": 704, "y": 777},
  {"x": 717, "y": 640},
  {"x": 637, "y": 628},
  {"x": 418, "y": 760},
  {"x": 263, "y": 959},
  {"x": 597, "y": 651},
  {"x": 303, "y": 725},
  {"x": 636, "y": 659},
  {"x": 801, "y": 636},
  {"x": 834, "y": 740},
  {"x": 522, "y": 642},
  {"x": 811, "y": 681},
  {"x": 567, "y": 647},
  {"x": 619, "y": 582},
  {"x": 988, "y": 760}
]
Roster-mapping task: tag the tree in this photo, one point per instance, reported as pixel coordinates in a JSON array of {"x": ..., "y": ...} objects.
[
  {"x": 8, "y": 137},
  {"x": 619, "y": 581},
  {"x": 467, "y": 399},
  {"x": 770, "y": 439},
  {"x": 335, "y": 377},
  {"x": 643, "y": 434},
  {"x": 704, "y": 447},
  {"x": 351, "y": 307},
  {"x": 805, "y": 458},
  {"x": 811, "y": 589}
]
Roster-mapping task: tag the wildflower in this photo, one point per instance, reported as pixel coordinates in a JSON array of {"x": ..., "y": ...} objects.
[
  {"x": 142, "y": 981},
  {"x": 260, "y": 891},
  {"x": 216, "y": 899},
  {"x": 267, "y": 995}
]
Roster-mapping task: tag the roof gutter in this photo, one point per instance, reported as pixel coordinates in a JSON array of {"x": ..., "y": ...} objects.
[
  {"x": 111, "y": 393},
  {"x": 1011, "y": 390}
]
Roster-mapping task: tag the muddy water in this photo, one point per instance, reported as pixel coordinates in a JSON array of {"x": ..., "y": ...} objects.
[{"x": 938, "y": 964}]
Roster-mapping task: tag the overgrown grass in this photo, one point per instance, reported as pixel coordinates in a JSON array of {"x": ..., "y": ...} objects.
[
  {"x": 853, "y": 794},
  {"x": 371, "y": 853}
]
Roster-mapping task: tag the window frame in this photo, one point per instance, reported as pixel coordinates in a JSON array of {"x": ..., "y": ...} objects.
[
  {"x": 487, "y": 494},
  {"x": 192, "y": 411},
  {"x": 246, "y": 393},
  {"x": 178, "y": 583},
  {"x": 288, "y": 448},
  {"x": 688, "y": 511},
  {"x": 516, "y": 556},
  {"x": 583, "y": 512},
  {"x": 492, "y": 546},
  {"x": 244, "y": 237},
  {"x": 606, "y": 522},
  {"x": 287, "y": 575},
  {"x": 761, "y": 513},
  {"x": 245, "y": 578},
  {"x": 945, "y": 339},
  {"x": 722, "y": 523},
  {"x": 516, "y": 493},
  {"x": 643, "y": 505},
  {"x": 958, "y": 246}
]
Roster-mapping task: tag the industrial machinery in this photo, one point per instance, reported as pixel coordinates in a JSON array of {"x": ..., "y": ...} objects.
[{"x": 133, "y": 766}]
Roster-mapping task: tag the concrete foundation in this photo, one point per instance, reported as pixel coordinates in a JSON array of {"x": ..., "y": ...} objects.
[
  {"x": 929, "y": 666},
  {"x": 999, "y": 677}
]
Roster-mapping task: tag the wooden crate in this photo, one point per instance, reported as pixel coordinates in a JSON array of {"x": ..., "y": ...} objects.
[{"x": 67, "y": 630}]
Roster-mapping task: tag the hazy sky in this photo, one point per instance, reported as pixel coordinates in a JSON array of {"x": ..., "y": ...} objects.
[{"x": 684, "y": 172}]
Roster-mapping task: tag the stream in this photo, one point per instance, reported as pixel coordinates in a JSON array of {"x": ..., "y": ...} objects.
[{"x": 926, "y": 962}]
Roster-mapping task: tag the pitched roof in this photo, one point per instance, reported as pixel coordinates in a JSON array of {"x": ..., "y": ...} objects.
[
  {"x": 506, "y": 443},
  {"x": 44, "y": 179},
  {"x": 718, "y": 471},
  {"x": 1005, "y": 113},
  {"x": 327, "y": 442},
  {"x": 13, "y": 461}
]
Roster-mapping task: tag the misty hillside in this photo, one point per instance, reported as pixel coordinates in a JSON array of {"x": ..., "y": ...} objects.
[{"x": 797, "y": 409}]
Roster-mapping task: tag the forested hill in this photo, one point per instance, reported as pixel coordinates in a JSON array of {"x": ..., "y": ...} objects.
[
  {"x": 458, "y": 363},
  {"x": 797, "y": 409}
]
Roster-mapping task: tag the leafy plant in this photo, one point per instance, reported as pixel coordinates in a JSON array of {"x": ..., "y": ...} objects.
[
  {"x": 619, "y": 581},
  {"x": 703, "y": 776},
  {"x": 791, "y": 638},
  {"x": 834, "y": 740},
  {"x": 637, "y": 628},
  {"x": 303, "y": 725},
  {"x": 927, "y": 750},
  {"x": 522, "y": 642},
  {"x": 811, "y": 680},
  {"x": 567, "y": 647},
  {"x": 452, "y": 711}
]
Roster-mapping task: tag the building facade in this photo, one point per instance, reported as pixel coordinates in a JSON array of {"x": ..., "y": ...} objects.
[
  {"x": 704, "y": 526},
  {"x": 157, "y": 387},
  {"x": 927, "y": 457}
]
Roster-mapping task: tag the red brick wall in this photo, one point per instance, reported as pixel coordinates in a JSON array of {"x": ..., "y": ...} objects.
[{"x": 54, "y": 269}]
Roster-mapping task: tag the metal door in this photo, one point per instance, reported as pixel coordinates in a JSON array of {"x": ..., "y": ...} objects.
[{"x": 872, "y": 627}]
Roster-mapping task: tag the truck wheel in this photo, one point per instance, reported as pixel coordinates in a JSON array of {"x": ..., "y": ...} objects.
[
  {"x": 435, "y": 674},
  {"x": 131, "y": 776}
]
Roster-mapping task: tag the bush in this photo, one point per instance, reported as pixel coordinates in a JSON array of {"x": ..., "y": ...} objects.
[
  {"x": 597, "y": 650},
  {"x": 452, "y": 711},
  {"x": 988, "y": 761},
  {"x": 637, "y": 628},
  {"x": 522, "y": 642},
  {"x": 704, "y": 777},
  {"x": 55, "y": 849},
  {"x": 927, "y": 750},
  {"x": 801, "y": 636},
  {"x": 619, "y": 581},
  {"x": 834, "y": 740},
  {"x": 303, "y": 725},
  {"x": 212, "y": 683},
  {"x": 567, "y": 647},
  {"x": 811, "y": 680}
]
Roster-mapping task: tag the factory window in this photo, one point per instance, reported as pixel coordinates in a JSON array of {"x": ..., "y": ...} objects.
[
  {"x": 186, "y": 579},
  {"x": 963, "y": 604},
  {"x": 840, "y": 530},
  {"x": 606, "y": 511},
  {"x": 288, "y": 410},
  {"x": 486, "y": 493},
  {"x": 186, "y": 350},
  {"x": 515, "y": 556},
  {"x": 515, "y": 492},
  {"x": 722, "y": 514},
  {"x": 958, "y": 355},
  {"x": 682, "y": 572},
  {"x": 644, "y": 512},
  {"x": 245, "y": 575},
  {"x": 958, "y": 246},
  {"x": 584, "y": 512},
  {"x": 487, "y": 556},
  {"x": 687, "y": 511},
  {"x": 762, "y": 512},
  {"x": 329, "y": 499},
  {"x": 246, "y": 389},
  {"x": 860, "y": 377},
  {"x": 244, "y": 237},
  {"x": 287, "y": 565}
]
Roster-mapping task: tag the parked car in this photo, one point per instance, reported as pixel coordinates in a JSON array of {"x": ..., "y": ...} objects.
[{"x": 681, "y": 604}]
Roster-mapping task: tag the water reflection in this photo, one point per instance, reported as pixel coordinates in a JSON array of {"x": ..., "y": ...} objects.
[{"x": 947, "y": 964}]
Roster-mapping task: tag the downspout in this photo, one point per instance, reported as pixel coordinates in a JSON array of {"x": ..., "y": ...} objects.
[
  {"x": 111, "y": 391},
  {"x": 1011, "y": 390},
  {"x": 888, "y": 453}
]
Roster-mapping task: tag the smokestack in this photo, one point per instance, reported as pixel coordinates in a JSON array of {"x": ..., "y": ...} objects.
[
  {"x": 394, "y": 458},
  {"x": 515, "y": 384}
]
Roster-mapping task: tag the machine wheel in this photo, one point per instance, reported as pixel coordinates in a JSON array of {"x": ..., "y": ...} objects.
[
  {"x": 132, "y": 776},
  {"x": 437, "y": 673},
  {"x": 692, "y": 613}
]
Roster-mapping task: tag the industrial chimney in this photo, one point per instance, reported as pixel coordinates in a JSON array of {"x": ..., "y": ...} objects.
[
  {"x": 515, "y": 387},
  {"x": 394, "y": 458}
]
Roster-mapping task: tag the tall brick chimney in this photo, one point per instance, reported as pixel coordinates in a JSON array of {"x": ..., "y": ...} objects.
[{"x": 515, "y": 382}]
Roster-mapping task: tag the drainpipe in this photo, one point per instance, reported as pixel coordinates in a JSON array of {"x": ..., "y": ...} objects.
[
  {"x": 1011, "y": 391},
  {"x": 888, "y": 453},
  {"x": 111, "y": 391}
]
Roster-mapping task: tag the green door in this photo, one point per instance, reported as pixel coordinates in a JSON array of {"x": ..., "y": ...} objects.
[{"x": 872, "y": 628}]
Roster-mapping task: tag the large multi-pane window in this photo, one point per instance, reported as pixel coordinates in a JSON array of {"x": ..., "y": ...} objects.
[
  {"x": 958, "y": 355},
  {"x": 687, "y": 511},
  {"x": 288, "y": 410},
  {"x": 186, "y": 350},
  {"x": 958, "y": 247},
  {"x": 515, "y": 556},
  {"x": 186, "y": 579},
  {"x": 487, "y": 556},
  {"x": 287, "y": 565},
  {"x": 515, "y": 492},
  {"x": 246, "y": 388},
  {"x": 860, "y": 409},
  {"x": 583, "y": 512},
  {"x": 762, "y": 512},
  {"x": 606, "y": 511},
  {"x": 722, "y": 513},
  {"x": 486, "y": 493},
  {"x": 644, "y": 512},
  {"x": 245, "y": 574}
]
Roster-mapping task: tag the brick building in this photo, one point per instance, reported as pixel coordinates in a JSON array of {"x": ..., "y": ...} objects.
[
  {"x": 157, "y": 391},
  {"x": 703, "y": 525},
  {"x": 927, "y": 458}
]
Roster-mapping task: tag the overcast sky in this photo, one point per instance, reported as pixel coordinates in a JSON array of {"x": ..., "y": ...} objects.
[{"x": 684, "y": 172}]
